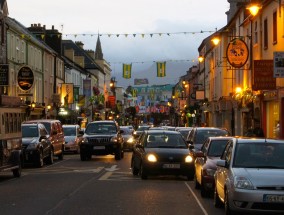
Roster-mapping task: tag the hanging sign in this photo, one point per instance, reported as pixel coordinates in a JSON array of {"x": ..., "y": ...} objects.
[
  {"x": 25, "y": 78},
  {"x": 237, "y": 53}
]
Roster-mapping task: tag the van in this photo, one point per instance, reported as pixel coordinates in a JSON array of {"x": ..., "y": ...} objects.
[{"x": 56, "y": 135}]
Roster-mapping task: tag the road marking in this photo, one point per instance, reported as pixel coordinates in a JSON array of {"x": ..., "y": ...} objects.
[
  {"x": 113, "y": 168},
  {"x": 89, "y": 170},
  {"x": 105, "y": 176},
  {"x": 199, "y": 203}
]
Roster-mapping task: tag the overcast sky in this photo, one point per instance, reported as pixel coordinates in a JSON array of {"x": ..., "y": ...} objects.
[{"x": 179, "y": 23}]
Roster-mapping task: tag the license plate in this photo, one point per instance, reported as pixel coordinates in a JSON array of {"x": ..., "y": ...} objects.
[
  {"x": 98, "y": 147},
  {"x": 273, "y": 198},
  {"x": 171, "y": 166}
]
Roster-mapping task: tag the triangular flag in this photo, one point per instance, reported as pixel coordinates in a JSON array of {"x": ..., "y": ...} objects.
[
  {"x": 126, "y": 68},
  {"x": 161, "y": 69}
]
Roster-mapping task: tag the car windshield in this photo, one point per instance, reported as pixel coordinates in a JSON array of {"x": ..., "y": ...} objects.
[
  {"x": 202, "y": 135},
  {"x": 30, "y": 131},
  {"x": 126, "y": 131},
  {"x": 47, "y": 126},
  {"x": 164, "y": 140},
  {"x": 184, "y": 132},
  {"x": 142, "y": 128},
  {"x": 216, "y": 148},
  {"x": 69, "y": 131},
  {"x": 100, "y": 128},
  {"x": 259, "y": 155}
]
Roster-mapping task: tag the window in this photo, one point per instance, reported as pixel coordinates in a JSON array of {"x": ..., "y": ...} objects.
[
  {"x": 255, "y": 33},
  {"x": 275, "y": 27},
  {"x": 265, "y": 34}
]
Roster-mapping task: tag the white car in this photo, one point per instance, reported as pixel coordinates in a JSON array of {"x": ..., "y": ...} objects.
[{"x": 250, "y": 176}]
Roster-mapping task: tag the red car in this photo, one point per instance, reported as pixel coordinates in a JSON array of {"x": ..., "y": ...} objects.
[{"x": 205, "y": 163}]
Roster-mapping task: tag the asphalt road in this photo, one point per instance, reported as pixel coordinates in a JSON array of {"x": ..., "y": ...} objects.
[{"x": 101, "y": 186}]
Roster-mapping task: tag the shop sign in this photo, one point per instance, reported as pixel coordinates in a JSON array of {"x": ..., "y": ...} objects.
[
  {"x": 278, "y": 58},
  {"x": 237, "y": 53},
  {"x": 111, "y": 100},
  {"x": 4, "y": 74},
  {"x": 263, "y": 75},
  {"x": 25, "y": 78}
]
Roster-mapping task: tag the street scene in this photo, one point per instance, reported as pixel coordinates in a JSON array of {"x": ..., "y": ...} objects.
[{"x": 141, "y": 107}]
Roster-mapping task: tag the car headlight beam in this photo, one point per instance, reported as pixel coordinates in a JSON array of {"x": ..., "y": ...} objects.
[
  {"x": 152, "y": 158},
  {"x": 188, "y": 159}
]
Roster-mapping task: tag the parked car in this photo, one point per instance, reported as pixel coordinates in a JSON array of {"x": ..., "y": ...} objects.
[
  {"x": 140, "y": 130},
  {"x": 11, "y": 157},
  {"x": 56, "y": 135},
  {"x": 102, "y": 138},
  {"x": 250, "y": 176},
  {"x": 72, "y": 137},
  {"x": 35, "y": 144},
  {"x": 198, "y": 135},
  {"x": 205, "y": 163},
  {"x": 161, "y": 152},
  {"x": 128, "y": 139}
]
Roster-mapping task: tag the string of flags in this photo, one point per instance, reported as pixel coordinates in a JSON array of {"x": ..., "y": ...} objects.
[
  {"x": 161, "y": 70},
  {"x": 140, "y": 34}
]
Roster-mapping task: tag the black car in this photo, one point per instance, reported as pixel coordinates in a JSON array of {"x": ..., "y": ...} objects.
[
  {"x": 140, "y": 130},
  {"x": 35, "y": 144},
  {"x": 102, "y": 138},
  {"x": 161, "y": 152}
]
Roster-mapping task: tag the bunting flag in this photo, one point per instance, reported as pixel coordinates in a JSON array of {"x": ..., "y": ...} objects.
[
  {"x": 126, "y": 68},
  {"x": 161, "y": 69}
]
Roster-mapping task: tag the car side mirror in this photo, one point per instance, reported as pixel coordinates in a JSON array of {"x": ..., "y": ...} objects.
[
  {"x": 81, "y": 132},
  {"x": 199, "y": 153},
  {"x": 221, "y": 163},
  {"x": 121, "y": 131}
]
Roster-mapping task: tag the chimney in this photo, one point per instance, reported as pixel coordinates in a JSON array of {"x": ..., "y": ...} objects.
[{"x": 80, "y": 44}]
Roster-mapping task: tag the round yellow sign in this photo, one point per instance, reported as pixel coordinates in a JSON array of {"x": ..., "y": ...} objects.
[{"x": 237, "y": 53}]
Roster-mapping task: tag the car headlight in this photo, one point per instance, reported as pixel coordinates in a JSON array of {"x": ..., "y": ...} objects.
[
  {"x": 188, "y": 159},
  {"x": 85, "y": 140},
  {"x": 113, "y": 139},
  {"x": 130, "y": 140},
  {"x": 209, "y": 172},
  {"x": 243, "y": 183},
  {"x": 151, "y": 158},
  {"x": 32, "y": 146}
]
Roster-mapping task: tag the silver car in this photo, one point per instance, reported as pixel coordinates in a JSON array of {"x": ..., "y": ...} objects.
[{"x": 250, "y": 176}]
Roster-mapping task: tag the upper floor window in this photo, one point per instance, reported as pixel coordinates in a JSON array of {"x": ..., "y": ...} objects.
[
  {"x": 255, "y": 33},
  {"x": 274, "y": 27},
  {"x": 265, "y": 34}
]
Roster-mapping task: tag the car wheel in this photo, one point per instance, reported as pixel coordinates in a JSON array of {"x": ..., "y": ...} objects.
[
  {"x": 203, "y": 191},
  {"x": 190, "y": 176},
  {"x": 40, "y": 160},
  {"x": 135, "y": 171},
  {"x": 143, "y": 174},
  {"x": 50, "y": 157},
  {"x": 217, "y": 201},
  {"x": 118, "y": 154},
  {"x": 18, "y": 171},
  {"x": 83, "y": 156},
  {"x": 61, "y": 155},
  {"x": 197, "y": 185},
  {"x": 228, "y": 211}
]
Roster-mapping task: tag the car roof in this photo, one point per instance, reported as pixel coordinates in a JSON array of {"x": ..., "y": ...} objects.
[
  {"x": 220, "y": 137},
  {"x": 257, "y": 140},
  {"x": 161, "y": 132},
  {"x": 42, "y": 120},
  {"x": 103, "y": 121},
  {"x": 70, "y": 126}
]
